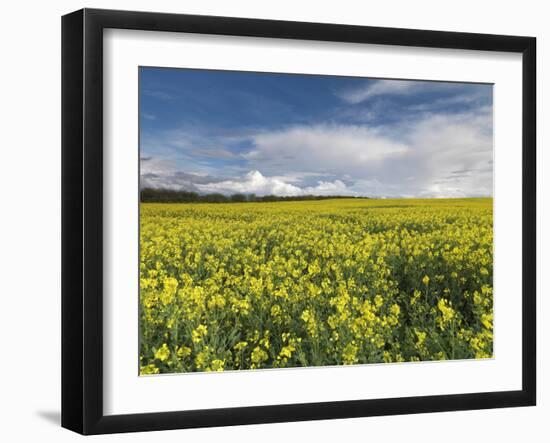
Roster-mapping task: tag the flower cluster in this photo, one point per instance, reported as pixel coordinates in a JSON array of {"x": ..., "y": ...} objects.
[{"x": 331, "y": 282}]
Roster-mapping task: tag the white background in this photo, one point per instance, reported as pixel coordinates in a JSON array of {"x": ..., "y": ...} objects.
[
  {"x": 30, "y": 222},
  {"x": 127, "y": 393}
]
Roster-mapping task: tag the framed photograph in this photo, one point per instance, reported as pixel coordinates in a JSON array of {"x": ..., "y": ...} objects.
[{"x": 269, "y": 221}]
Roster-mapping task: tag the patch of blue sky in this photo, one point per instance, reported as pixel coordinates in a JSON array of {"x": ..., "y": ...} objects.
[{"x": 226, "y": 124}]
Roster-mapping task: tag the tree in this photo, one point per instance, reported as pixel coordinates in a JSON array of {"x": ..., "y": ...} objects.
[{"x": 238, "y": 198}]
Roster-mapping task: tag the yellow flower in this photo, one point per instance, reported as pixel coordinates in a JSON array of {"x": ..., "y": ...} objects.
[
  {"x": 286, "y": 351},
  {"x": 258, "y": 355},
  {"x": 162, "y": 353},
  {"x": 335, "y": 281},
  {"x": 170, "y": 287},
  {"x": 149, "y": 369},
  {"x": 199, "y": 333},
  {"x": 447, "y": 312},
  {"x": 395, "y": 310},
  {"x": 217, "y": 365},
  {"x": 275, "y": 310},
  {"x": 487, "y": 320},
  {"x": 201, "y": 360},
  {"x": 415, "y": 297},
  {"x": 421, "y": 337},
  {"x": 217, "y": 301},
  {"x": 183, "y": 351},
  {"x": 349, "y": 354},
  {"x": 240, "y": 346},
  {"x": 307, "y": 316}
]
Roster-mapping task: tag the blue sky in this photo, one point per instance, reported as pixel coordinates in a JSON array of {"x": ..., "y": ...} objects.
[{"x": 286, "y": 134}]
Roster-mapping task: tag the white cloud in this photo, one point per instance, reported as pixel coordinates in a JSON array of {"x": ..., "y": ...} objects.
[
  {"x": 454, "y": 92},
  {"x": 419, "y": 157},
  {"x": 153, "y": 165},
  {"x": 452, "y": 155},
  {"x": 162, "y": 173},
  {"x": 381, "y": 87},
  {"x": 322, "y": 148},
  {"x": 429, "y": 155},
  {"x": 256, "y": 183},
  {"x": 443, "y": 102},
  {"x": 252, "y": 183},
  {"x": 337, "y": 187}
]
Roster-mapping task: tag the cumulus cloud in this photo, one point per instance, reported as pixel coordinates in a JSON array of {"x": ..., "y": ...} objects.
[
  {"x": 337, "y": 187},
  {"x": 430, "y": 155},
  {"x": 422, "y": 163},
  {"x": 323, "y": 148},
  {"x": 156, "y": 173},
  {"x": 294, "y": 135},
  {"x": 254, "y": 182},
  {"x": 453, "y": 154}
]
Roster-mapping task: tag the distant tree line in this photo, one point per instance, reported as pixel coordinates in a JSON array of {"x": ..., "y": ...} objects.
[{"x": 152, "y": 195}]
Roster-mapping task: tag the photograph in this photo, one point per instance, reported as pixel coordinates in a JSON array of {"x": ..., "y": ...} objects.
[{"x": 296, "y": 220}]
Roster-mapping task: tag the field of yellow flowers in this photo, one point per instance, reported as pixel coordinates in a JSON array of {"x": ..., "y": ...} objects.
[{"x": 331, "y": 282}]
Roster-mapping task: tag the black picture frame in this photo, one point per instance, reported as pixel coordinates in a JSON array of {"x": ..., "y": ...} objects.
[{"x": 82, "y": 218}]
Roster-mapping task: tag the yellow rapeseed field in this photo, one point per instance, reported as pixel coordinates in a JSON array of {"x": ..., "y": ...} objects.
[{"x": 331, "y": 282}]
